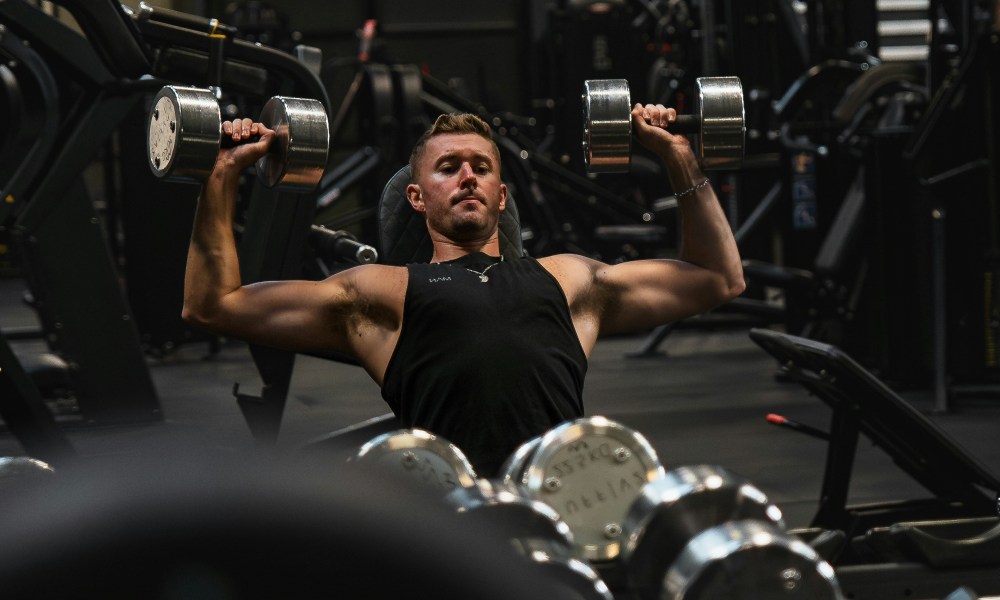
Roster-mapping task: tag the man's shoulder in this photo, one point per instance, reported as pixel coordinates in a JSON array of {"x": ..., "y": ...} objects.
[
  {"x": 569, "y": 262},
  {"x": 575, "y": 273},
  {"x": 372, "y": 278},
  {"x": 376, "y": 270}
]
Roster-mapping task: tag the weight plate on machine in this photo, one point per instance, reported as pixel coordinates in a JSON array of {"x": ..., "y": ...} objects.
[
  {"x": 591, "y": 470},
  {"x": 298, "y": 157},
  {"x": 420, "y": 455},
  {"x": 185, "y": 127}
]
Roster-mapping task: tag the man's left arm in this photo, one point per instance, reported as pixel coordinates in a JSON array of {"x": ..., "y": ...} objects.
[{"x": 708, "y": 272}]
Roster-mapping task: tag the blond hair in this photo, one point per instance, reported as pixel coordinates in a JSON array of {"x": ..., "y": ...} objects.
[{"x": 453, "y": 123}]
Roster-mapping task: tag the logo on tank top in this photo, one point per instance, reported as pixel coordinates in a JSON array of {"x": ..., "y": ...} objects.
[{"x": 438, "y": 279}]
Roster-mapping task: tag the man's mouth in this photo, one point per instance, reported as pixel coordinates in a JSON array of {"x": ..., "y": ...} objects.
[{"x": 464, "y": 199}]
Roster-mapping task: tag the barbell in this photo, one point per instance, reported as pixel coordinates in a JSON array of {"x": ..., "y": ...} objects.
[
  {"x": 185, "y": 134},
  {"x": 718, "y": 124}
]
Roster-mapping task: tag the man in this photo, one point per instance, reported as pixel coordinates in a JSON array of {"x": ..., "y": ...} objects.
[{"x": 482, "y": 351}]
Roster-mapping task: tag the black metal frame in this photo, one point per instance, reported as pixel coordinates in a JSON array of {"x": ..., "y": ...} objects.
[
  {"x": 116, "y": 64},
  {"x": 81, "y": 307},
  {"x": 862, "y": 404}
]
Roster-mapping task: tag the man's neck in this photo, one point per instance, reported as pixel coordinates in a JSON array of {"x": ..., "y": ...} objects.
[{"x": 445, "y": 251}]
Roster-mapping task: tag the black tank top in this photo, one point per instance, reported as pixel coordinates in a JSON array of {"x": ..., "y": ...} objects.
[{"x": 486, "y": 365}]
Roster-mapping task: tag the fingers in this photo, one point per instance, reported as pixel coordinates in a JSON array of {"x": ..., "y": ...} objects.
[
  {"x": 655, "y": 115},
  {"x": 651, "y": 125},
  {"x": 241, "y": 129}
]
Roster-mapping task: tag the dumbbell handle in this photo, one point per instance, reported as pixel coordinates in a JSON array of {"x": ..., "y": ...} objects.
[
  {"x": 685, "y": 124},
  {"x": 226, "y": 141}
]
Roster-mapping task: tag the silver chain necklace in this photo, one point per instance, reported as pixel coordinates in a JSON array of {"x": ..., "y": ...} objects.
[{"x": 482, "y": 274}]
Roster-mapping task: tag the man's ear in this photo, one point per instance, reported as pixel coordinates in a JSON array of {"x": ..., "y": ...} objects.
[
  {"x": 415, "y": 197},
  {"x": 503, "y": 196}
]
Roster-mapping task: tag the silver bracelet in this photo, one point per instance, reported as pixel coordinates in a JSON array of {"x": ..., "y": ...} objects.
[{"x": 694, "y": 188}]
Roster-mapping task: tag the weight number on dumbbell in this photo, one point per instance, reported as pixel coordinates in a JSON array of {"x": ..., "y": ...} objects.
[
  {"x": 185, "y": 129},
  {"x": 419, "y": 456},
  {"x": 591, "y": 470},
  {"x": 162, "y": 135}
]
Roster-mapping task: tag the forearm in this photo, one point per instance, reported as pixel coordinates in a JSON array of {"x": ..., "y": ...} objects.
[
  {"x": 212, "y": 264},
  {"x": 706, "y": 236}
]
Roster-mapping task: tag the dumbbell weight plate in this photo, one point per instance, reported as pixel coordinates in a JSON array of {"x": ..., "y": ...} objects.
[
  {"x": 607, "y": 125},
  {"x": 419, "y": 455},
  {"x": 719, "y": 101},
  {"x": 591, "y": 470},
  {"x": 513, "y": 469},
  {"x": 673, "y": 509},
  {"x": 183, "y": 134},
  {"x": 566, "y": 565},
  {"x": 298, "y": 157},
  {"x": 514, "y": 513},
  {"x": 535, "y": 530},
  {"x": 16, "y": 467},
  {"x": 749, "y": 559}
]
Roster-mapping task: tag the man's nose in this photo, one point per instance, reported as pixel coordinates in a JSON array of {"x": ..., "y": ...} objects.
[{"x": 468, "y": 175}]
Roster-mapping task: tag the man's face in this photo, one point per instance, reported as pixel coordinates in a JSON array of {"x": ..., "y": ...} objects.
[{"x": 458, "y": 188}]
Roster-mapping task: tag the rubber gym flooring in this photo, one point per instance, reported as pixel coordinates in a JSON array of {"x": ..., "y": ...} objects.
[{"x": 702, "y": 400}]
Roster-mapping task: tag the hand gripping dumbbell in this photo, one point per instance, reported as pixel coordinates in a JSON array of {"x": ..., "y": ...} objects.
[
  {"x": 185, "y": 134},
  {"x": 718, "y": 124}
]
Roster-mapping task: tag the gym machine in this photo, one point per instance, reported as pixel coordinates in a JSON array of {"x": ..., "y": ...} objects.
[
  {"x": 919, "y": 547},
  {"x": 122, "y": 58},
  {"x": 83, "y": 312}
]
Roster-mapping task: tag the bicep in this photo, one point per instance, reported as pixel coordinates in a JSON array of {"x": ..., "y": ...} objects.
[
  {"x": 296, "y": 315},
  {"x": 647, "y": 293}
]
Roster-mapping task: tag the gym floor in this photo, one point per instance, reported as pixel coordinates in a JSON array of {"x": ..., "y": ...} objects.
[{"x": 702, "y": 400}]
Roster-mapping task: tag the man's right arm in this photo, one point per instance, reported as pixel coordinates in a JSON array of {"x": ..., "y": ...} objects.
[{"x": 334, "y": 314}]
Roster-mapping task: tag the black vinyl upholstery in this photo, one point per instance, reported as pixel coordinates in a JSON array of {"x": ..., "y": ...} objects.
[{"x": 403, "y": 236}]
